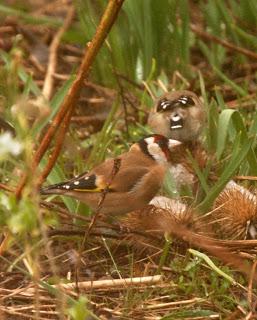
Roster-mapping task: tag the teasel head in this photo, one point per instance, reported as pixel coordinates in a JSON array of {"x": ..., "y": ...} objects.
[
  {"x": 234, "y": 214},
  {"x": 152, "y": 224}
]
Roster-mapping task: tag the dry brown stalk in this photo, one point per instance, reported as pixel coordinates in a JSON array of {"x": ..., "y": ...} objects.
[
  {"x": 251, "y": 178},
  {"x": 114, "y": 283},
  {"x": 57, "y": 148},
  {"x": 115, "y": 170},
  {"x": 53, "y": 49},
  {"x": 174, "y": 303},
  {"x": 71, "y": 98},
  {"x": 213, "y": 247},
  {"x": 103, "y": 284},
  {"x": 224, "y": 43},
  {"x": 6, "y": 29},
  {"x": 6, "y": 188},
  {"x": 250, "y": 286},
  {"x": 238, "y": 244}
]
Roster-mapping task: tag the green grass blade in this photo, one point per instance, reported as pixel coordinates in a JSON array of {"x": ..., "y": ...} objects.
[
  {"x": 225, "y": 119},
  {"x": 239, "y": 153},
  {"x": 210, "y": 263},
  {"x": 103, "y": 139},
  {"x": 53, "y": 22}
]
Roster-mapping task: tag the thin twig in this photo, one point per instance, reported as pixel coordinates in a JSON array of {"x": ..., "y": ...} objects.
[
  {"x": 213, "y": 247},
  {"x": 115, "y": 170},
  {"x": 57, "y": 148},
  {"x": 6, "y": 187},
  {"x": 131, "y": 82},
  {"x": 104, "y": 284},
  {"x": 224, "y": 43},
  {"x": 251, "y": 178},
  {"x": 53, "y": 49},
  {"x": 250, "y": 286},
  {"x": 174, "y": 303}
]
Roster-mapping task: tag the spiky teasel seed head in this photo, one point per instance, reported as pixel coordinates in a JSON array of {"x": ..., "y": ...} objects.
[
  {"x": 234, "y": 214},
  {"x": 152, "y": 223}
]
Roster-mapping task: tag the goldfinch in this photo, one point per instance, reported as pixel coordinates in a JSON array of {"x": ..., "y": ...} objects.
[
  {"x": 137, "y": 180},
  {"x": 178, "y": 115},
  {"x": 181, "y": 115}
]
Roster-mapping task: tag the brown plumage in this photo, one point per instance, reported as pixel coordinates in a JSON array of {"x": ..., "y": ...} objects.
[
  {"x": 178, "y": 115},
  {"x": 181, "y": 115},
  {"x": 136, "y": 181}
]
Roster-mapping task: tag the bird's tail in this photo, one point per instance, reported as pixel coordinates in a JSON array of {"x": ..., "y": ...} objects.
[{"x": 57, "y": 188}]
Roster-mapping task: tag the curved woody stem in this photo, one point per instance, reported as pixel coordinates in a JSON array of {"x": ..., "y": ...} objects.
[{"x": 67, "y": 107}]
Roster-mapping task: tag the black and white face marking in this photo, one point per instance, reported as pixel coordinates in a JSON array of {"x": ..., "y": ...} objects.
[
  {"x": 176, "y": 121},
  {"x": 163, "y": 105},
  {"x": 158, "y": 147},
  {"x": 167, "y": 105},
  {"x": 155, "y": 150},
  {"x": 186, "y": 101}
]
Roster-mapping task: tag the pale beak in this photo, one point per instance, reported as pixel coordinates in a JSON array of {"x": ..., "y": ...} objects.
[{"x": 173, "y": 143}]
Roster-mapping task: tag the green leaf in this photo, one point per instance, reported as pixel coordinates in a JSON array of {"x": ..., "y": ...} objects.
[
  {"x": 210, "y": 263},
  {"x": 199, "y": 173},
  {"x": 54, "y": 22},
  {"x": 79, "y": 310},
  {"x": 103, "y": 138},
  {"x": 223, "y": 130},
  {"x": 239, "y": 153}
]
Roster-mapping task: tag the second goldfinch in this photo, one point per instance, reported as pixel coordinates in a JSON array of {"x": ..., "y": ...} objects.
[
  {"x": 181, "y": 115},
  {"x": 178, "y": 115},
  {"x": 137, "y": 180}
]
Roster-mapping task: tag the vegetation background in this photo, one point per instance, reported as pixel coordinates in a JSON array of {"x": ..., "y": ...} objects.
[{"x": 207, "y": 46}]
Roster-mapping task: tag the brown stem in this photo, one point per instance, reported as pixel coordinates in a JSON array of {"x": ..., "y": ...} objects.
[
  {"x": 251, "y": 178},
  {"x": 71, "y": 98},
  {"x": 250, "y": 286},
  {"x": 51, "y": 68},
  {"x": 6, "y": 187},
  {"x": 57, "y": 148},
  {"x": 224, "y": 43},
  {"x": 213, "y": 247}
]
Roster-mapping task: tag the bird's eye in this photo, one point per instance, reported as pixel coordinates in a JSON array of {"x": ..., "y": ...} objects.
[
  {"x": 186, "y": 101},
  {"x": 168, "y": 105},
  {"x": 163, "y": 105},
  {"x": 176, "y": 122}
]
